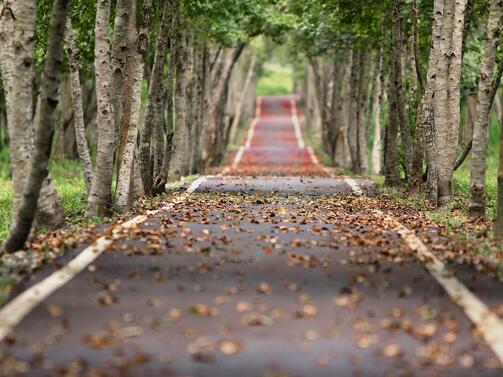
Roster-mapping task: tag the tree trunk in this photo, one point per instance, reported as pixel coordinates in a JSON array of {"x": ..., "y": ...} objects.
[
  {"x": 125, "y": 186},
  {"x": 447, "y": 96},
  {"x": 377, "y": 147},
  {"x": 397, "y": 85},
  {"x": 154, "y": 118},
  {"x": 120, "y": 48},
  {"x": 180, "y": 140},
  {"x": 99, "y": 198},
  {"x": 78, "y": 111},
  {"x": 18, "y": 74},
  {"x": 363, "y": 94},
  {"x": 484, "y": 103},
  {"x": 38, "y": 171},
  {"x": 353, "y": 111},
  {"x": 425, "y": 123}
]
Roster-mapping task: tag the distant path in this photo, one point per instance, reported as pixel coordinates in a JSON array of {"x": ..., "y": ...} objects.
[
  {"x": 273, "y": 144},
  {"x": 275, "y": 268}
]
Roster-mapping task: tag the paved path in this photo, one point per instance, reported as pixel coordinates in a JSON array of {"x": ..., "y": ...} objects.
[{"x": 289, "y": 274}]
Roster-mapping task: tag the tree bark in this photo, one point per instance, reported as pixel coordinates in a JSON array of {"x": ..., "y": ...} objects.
[
  {"x": 397, "y": 84},
  {"x": 120, "y": 49},
  {"x": 363, "y": 94},
  {"x": 353, "y": 111},
  {"x": 180, "y": 139},
  {"x": 484, "y": 102},
  {"x": 447, "y": 96},
  {"x": 377, "y": 147},
  {"x": 78, "y": 111},
  {"x": 125, "y": 187},
  {"x": 154, "y": 118},
  {"x": 18, "y": 74},
  {"x": 425, "y": 122},
  {"x": 39, "y": 162},
  {"x": 99, "y": 198}
]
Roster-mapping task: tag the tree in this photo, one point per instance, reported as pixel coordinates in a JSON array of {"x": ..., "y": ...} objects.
[
  {"x": 99, "y": 197},
  {"x": 44, "y": 130},
  {"x": 485, "y": 99}
]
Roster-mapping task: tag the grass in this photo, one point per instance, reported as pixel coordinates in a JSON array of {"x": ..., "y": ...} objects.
[
  {"x": 70, "y": 184},
  {"x": 275, "y": 80}
]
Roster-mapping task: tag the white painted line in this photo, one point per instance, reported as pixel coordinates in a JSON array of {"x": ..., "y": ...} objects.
[
  {"x": 314, "y": 159},
  {"x": 486, "y": 321},
  {"x": 238, "y": 157},
  {"x": 488, "y": 324},
  {"x": 19, "y": 307},
  {"x": 296, "y": 125},
  {"x": 195, "y": 184},
  {"x": 14, "y": 312},
  {"x": 354, "y": 186},
  {"x": 251, "y": 133},
  {"x": 249, "y": 138}
]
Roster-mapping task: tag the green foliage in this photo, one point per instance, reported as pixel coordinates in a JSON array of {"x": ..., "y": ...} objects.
[
  {"x": 83, "y": 14},
  {"x": 274, "y": 79},
  {"x": 228, "y": 21}
]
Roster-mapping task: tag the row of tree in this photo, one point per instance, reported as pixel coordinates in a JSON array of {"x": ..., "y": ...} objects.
[
  {"x": 399, "y": 73},
  {"x": 166, "y": 77}
]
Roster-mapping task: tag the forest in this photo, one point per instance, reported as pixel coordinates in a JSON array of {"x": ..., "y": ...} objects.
[{"x": 103, "y": 103}]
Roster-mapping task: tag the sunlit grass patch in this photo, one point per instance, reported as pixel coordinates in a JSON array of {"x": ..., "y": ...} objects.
[{"x": 274, "y": 80}]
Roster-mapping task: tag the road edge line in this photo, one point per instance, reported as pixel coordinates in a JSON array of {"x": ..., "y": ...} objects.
[
  {"x": 485, "y": 320},
  {"x": 21, "y": 305}
]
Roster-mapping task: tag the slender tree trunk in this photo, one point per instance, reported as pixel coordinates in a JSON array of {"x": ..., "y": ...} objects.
[
  {"x": 447, "y": 96},
  {"x": 377, "y": 147},
  {"x": 78, "y": 118},
  {"x": 25, "y": 215},
  {"x": 125, "y": 187},
  {"x": 484, "y": 103},
  {"x": 397, "y": 84},
  {"x": 353, "y": 110},
  {"x": 391, "y": 162},
  {"x": 154, "y": 118},
  {"x": 179, "y": 154},
  {"x": 425, "y": 125},
  {"x": 363, "y": 95},
  {"x": 120, "y": 48},
  {"x": 99, "y": 198}
]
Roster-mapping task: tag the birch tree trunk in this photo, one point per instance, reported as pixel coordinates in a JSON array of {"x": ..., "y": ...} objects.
[
  {"x": 154, "y": 112},
  {"x": 78, "y": 111},
  {"x": 377, "y": 147},
  {"x": 125, "y": 187},
  {"x": 482, "y": 112},
  {"x": 120, "y": 48},
  {"x": 180, "y": 152},
  {"x": 363, "y": 92},
  {"x": 447, "y": 96},
  {"x": 18, "y": 74},
  {"x": 397, "y": 84},
  {"x": 353, "y": 110},
  {"x": 425, "y": 123},
  {"x": 39, "y": 161},
  {"x": 99, "y": 198}
]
